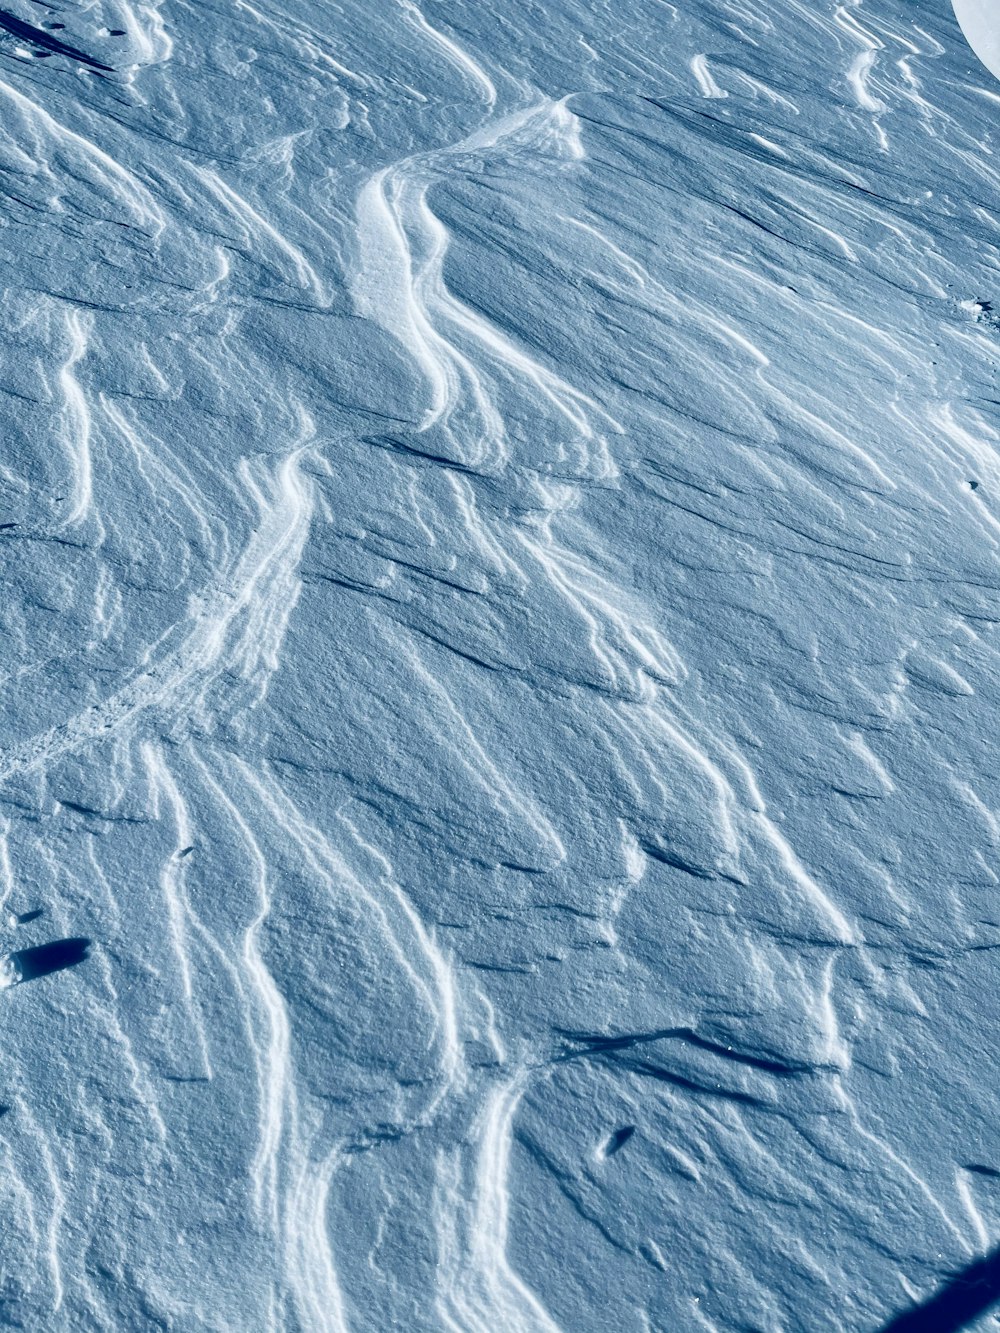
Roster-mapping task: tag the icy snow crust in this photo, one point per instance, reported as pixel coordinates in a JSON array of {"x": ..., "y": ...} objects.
[{"x": 501, "y": 565}]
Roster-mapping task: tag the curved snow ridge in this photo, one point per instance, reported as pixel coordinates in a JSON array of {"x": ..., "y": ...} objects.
[
  {"x": 146, "y": 30},
  {"x": 293, "y": 1165},
  {"x": 299, "y": 1155},
  {"x": 71, "y": 163},
  {"x": 477, "y": 1288},
  {"x": 75, "y": 421},
  {"x": 234, "y": 627},
  {"x": 399, "y": 283},
  {"x": 451, "y": 51},
  {"x": 261, "y": 238}
]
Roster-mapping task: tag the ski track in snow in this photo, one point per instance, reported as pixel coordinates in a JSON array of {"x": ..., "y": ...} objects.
[{"x": 499, "y": 516}]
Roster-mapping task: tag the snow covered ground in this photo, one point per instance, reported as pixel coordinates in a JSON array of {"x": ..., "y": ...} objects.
[{"x": 500, "y": 539}]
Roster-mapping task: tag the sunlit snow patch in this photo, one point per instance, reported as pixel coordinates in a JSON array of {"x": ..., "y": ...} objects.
[
  {"x": 980, "y": 22},
  {"x": 10, "y": 972}
]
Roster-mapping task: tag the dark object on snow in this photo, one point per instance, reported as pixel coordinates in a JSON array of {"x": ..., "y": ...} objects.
[
  {"x": 618, "y": 1140},
  {"x": 30, "y": 964},
  {"x": 39, "y": 37},
  {"x": 963, "y": 1298}
]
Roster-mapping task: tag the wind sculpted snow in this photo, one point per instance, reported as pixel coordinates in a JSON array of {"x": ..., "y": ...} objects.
[{"x": 500, "y": 530}]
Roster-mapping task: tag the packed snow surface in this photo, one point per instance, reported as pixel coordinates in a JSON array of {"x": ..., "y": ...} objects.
[{"x": 500, "y": 537}]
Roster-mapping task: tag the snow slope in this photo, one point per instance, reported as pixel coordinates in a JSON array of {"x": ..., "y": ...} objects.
[{"x": 500, "y": 530}]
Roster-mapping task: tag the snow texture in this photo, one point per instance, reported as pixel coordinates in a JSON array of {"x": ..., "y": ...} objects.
[{"x": 500, "y": 541}]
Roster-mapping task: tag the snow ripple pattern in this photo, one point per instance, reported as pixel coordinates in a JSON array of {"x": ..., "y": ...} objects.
[{"x": 500, "y": 525}]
